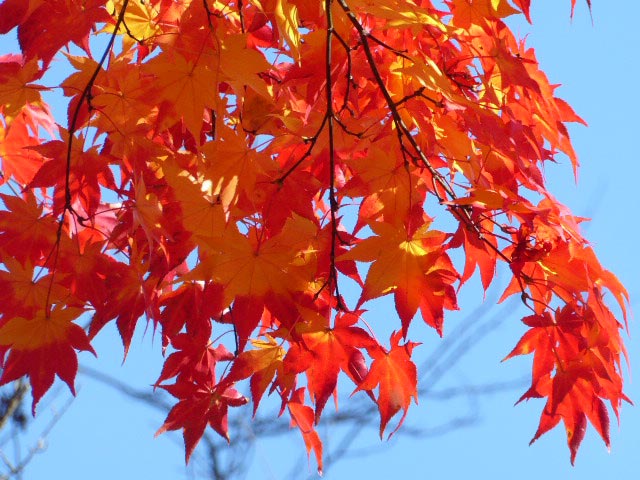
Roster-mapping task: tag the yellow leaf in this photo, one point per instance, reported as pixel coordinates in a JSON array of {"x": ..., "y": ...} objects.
[
  {"x": 241, "y": 65},
  {"x": 287, "y": 20},
  {"x": 140, "y": 20},
  {"x": 16, "y": 91}
]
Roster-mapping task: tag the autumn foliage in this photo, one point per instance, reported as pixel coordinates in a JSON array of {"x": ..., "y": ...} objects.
[{"x": 227, "y": 168}]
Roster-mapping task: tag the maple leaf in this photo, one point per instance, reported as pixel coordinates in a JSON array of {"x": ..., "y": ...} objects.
[
  {"x": 42, "y": 347},
  {"x": 261, "y": 364},
  {"x": 82, "y": 270},
  {"x": 476, "y": 12},
  {"x": 119, "y": 94},
  {"x": 324, "y": 352},
  {"x": 16, "y": 91},
  {"x": 88, "y": 173},
  {"x": 139, "y": 18},
  {"x": 12, "y": 13},
  {"x": 564, "y": 367},
  {"x": 412, "y": 266},
  {"x": 195, "y": 357},
  {"x": 131, "y": 292},
  {"x": 202, "y": 216},
  {"x": 302, "y": 417},
  {"x": 19, "y": 161},
  {"x": 396, "y": 377},
  {"x": 24, "y": 231},
  {"x": 21, "y": 294},
  {"x": 573, "y": 401},
  {"x": 234, "y": 163},
  {"x": 511, "y": 68},
  {"x": 240, "y": 65},
  {"x": 232, "y": 167},
  {"x": 250, "y": 266},
  {"x": 383, "y": 179},
  {"x": 199, "y": 405},
  {"x": 191, "y": 304},
  {"x": 186, "y": 86},
  {"x": 55, "y": 23}
]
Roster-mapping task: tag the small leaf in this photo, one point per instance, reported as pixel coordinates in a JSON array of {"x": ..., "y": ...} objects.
[{"x": 395, "y": 375}]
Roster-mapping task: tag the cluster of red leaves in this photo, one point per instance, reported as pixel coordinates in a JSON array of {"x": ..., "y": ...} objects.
[{"x": 199, "y": 180}]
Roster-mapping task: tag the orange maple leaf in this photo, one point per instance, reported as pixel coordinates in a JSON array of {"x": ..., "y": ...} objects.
[
  {"x": 16, "y": 89},
  {"x": 261, "y": 364},
  {"x": 397, "y": 378},
  {"x": 476, "y": 12},
  {"x": 564, "y": 369},
  {"x": 302, "y": 417},
  {"x": 248, "y": 265},
  {"x": 42, "y": 347},
  {"x": 187, "y": 86},
  {"x": 412, "y": 266}
]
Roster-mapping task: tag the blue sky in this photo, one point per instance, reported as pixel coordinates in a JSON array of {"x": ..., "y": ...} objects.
[{"x": 103, "y": 436}]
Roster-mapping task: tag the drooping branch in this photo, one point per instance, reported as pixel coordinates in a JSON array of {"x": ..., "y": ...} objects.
[
  {"x": 85, "y": 96},
  {"x": 464, "y": 213},
  {"x": 240, "y": 146},
  {"x": 333, "y": 203}
]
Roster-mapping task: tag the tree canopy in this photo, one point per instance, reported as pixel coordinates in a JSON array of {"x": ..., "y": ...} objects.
[{"x": 227, "y": 167}]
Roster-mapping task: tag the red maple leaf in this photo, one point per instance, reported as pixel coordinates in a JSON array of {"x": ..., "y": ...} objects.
[
  {"x": 324, "y": 352},
  {"x": 55, "y": 23},
  {"x": 200, "y": 405},
  {"x": 24, "y": 231},
  {"x": 195, "y": 357},
  {"x": 568, "y": 360}
]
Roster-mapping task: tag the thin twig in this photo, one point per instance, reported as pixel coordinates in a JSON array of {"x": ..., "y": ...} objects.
[{"x": 13, "y": 403}]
